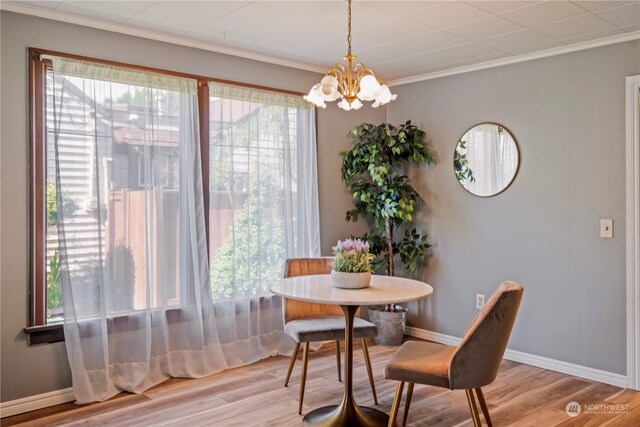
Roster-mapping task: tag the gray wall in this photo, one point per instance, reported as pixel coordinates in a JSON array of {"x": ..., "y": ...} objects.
[
  {"x": 567, "y": 113},
  {"x": 334, "y": 199},
  {"x": 33, "y": 370}
]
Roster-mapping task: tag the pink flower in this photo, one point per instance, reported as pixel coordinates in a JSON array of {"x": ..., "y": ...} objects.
[{"x": 351, "y": 245}]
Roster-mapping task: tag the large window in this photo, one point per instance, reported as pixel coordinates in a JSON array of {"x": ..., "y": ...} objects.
[
  {"x": 106, "y": 154},
  {"x": 254, "y": 187},
  {"x": 125, "y": 139}
]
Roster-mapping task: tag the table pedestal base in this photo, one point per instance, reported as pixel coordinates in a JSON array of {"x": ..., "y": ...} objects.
[
  {"x": 347, "y": 416},
  {"x": 347, "y": 413}
]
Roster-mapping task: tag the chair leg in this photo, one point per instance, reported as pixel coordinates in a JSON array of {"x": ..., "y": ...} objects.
[
  {"x": 483, "y": 405},
  {"x": 367, "y": 361},
  {"x": 396, "y": 404},
  {"x": 407, "y": 402},
  {"x": 474, "y": 409},
  {"x": 303, "y": 377},
  {"x": 291, "y": 363},
  {"x": 338, "y": 360}
]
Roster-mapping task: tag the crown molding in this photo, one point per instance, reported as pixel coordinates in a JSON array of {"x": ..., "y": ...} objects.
[
  {"x": 158, "y": 36},
  {"x": 620, "y": 38}
]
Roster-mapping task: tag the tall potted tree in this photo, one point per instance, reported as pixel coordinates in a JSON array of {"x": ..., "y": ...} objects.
[{"x": 374, "y": 171}]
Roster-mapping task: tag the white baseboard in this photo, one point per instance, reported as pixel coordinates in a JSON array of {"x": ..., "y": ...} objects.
[
  {"x": 39, "y": 401},
  {"x": 431, "y": 336},
  {"x": 531, "y": 359}
]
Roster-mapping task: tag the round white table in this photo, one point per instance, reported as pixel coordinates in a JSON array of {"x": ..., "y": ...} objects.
[{"x": 318, "y": 289}]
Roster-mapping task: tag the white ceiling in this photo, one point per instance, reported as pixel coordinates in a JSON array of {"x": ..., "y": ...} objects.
[{"x": 398, "y": 39}]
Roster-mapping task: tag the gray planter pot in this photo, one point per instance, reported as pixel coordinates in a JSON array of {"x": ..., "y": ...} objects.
[{"x": 390, "y": 324}]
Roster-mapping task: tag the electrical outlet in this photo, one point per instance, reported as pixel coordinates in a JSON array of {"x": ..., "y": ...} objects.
[{"x": 479, "y": 301}]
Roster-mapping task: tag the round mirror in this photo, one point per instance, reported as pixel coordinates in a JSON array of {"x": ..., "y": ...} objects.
[{"x": 486, "y": 159}]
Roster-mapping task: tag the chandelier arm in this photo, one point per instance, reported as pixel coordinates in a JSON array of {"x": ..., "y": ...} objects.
[
  {"x": 338, "y": 72},
  {"x": 359, "y": 71},
  {"x": 342, "y": 88},
  {"x": 365, "y": 69},
  {"x": 369, "y": 71},
  {"x": 339, "y": 68}
]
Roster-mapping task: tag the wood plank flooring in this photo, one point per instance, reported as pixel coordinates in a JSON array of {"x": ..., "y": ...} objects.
[{"x": 522, "y": 396}]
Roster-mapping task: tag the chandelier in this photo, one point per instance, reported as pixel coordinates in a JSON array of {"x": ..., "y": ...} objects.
[{"x": 351, "y": 84}]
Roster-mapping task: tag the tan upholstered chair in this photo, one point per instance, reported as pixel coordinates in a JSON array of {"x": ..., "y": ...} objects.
[
  {"x": 470, "y": 366},
  {"x": 308, "y": 322}
]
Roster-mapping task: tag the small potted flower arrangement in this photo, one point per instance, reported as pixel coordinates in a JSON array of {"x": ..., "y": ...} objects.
[{"x": 351, "y": 264}]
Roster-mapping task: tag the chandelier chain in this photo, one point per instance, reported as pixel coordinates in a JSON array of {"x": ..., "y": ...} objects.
[{"x": 349, "y": 29}]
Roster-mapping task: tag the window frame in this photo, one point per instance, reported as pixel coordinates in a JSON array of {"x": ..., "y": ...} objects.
[{"x": 38, "y": 330}]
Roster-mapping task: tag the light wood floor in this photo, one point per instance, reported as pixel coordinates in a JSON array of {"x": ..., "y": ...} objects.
[{"x": 254, "y": 396}]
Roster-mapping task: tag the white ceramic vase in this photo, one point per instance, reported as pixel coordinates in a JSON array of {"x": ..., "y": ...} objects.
[{"x": 345, "y": 280}]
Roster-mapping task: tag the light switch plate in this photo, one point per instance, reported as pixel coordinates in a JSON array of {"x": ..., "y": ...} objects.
[{"x": 606, "y": 228}]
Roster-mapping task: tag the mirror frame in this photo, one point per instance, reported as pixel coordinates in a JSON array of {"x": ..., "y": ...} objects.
[{"x": 515, "y": 141}]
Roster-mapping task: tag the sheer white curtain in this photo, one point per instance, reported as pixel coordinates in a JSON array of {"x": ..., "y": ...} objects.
[
  {"x": 263, "y": 207},
  {"x": 124, "y": 157},
  {"x": 492, "y": 156},
  {"x": 137, "y": 307}
]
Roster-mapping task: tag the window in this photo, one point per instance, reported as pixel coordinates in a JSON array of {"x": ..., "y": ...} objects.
[
  {"x": 161, "y": 171},
  {"x": 100, "y": 148},
  {"x": 113, "y": 155},
  {"x": 255, "y": 191}
]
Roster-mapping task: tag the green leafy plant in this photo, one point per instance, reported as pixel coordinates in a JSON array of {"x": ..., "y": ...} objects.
[
  {"x": 254, "y": 252},
  {"x": 54, "y": 286},
  {"x": 461, "y": 163},
  {"x": 374, "y": 172},
  {"x": 352, "y": 256},
  {"x": 69, "y": 205}
]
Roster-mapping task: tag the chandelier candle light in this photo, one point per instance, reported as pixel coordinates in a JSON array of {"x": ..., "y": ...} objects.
[{"x": 352, "y": 85}]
